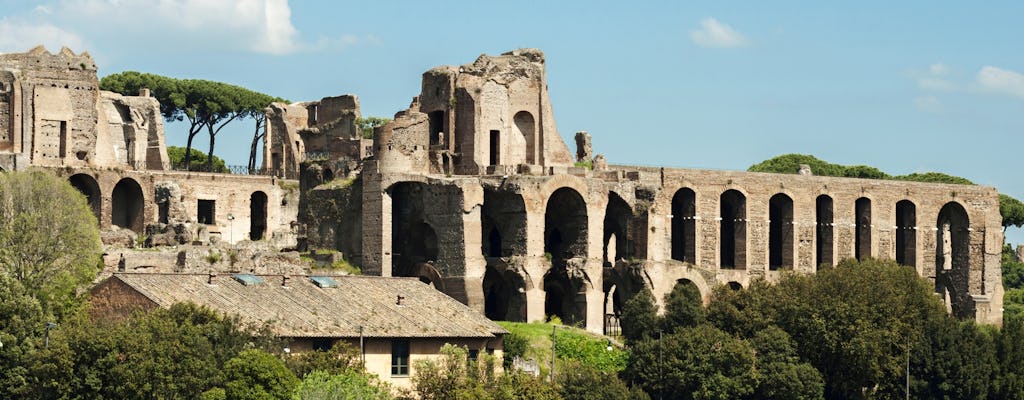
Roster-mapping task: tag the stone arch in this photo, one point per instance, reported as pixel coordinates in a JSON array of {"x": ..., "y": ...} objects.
[
  {"x": 427, "y": 273},
  {"x": 328, "y": 175},
  {"x": 733, "y": 285},
  {"x": 437, "y": 122},
  {"x": 88, "y": 186},
  {"x": 906, "y": 233},
  {"x": 862, "y": 229},
  {"x": 669, "y": 277},
  {"x": 733, "y": 230},
  {"x": 257, "y": 215},
  {"x": 617, "y": 243},
  {"x": 565, "y": 225},
  {"x": 413, "y": 239},
  {"x": 684, "y": 226},
  {"x": 953, "y": 259},
  {"x": 565, "y": 295},
  {"x": 503, "y": 223},
  {"x": 780, "y": 232},
  {"x": 824, "y": 218},
  {"x": 527, "y": 127},
  {"x": 504, "y": 291},
  {"x": 127, "y": 205}
]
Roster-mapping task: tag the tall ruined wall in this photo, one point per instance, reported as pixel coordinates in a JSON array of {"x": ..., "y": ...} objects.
[
  {"x": 59, "y": 93},
  {"x": 130, "y": 131},
  {"x": 324, "y": 131}
]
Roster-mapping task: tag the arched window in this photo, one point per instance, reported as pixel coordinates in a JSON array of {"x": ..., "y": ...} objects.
[
  {"x": 906, "y": 233},
  {"x": 733, "y": 230},
  {"x": 780, "y": 232},
  {"x": 684, "y": 226}
]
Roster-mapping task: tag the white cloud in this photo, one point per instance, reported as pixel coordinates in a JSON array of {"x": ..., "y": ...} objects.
[
  {"x": 935, "y": 84},
  {"x": 1003, "y": 81},
  {"x": 928, "y": 104},
  {"x": 18, "y": 36},
  {"x": 716, "y": 34},
  {"x": 938, "y": 69}
]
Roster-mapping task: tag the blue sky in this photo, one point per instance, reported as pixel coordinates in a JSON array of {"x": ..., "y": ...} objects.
[{"x": 909, "y": 86}]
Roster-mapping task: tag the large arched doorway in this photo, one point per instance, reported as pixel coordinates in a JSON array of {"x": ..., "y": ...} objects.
[
  {"x": 257, "y": 215},
  {"x": 88, "y": 186},
  {"x": 953, "y": 259},
  {"x": 503, "y": 224},
  {"x": 780, "y": 232},
  {"x": 565, "y": 244},
  {"x": 823, "y": 217},
  {"x": 413, "y": 239},
  {"x": 527, "y": 127},
  {"x": 862, "y": 218},
  {"x": 684, "y": 226},
  {"x": 906, "y": 233},
  {"x": 127, "y": 205},
  {"x": 733, "y": 230},
  {"x": 504, "y": 294}
]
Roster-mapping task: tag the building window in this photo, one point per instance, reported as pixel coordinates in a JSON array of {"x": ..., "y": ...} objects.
[
  {"x": 206, "y": 211},
  {"x": 322, "y": 344},
  {"x": 473, "y": 355},
  {"x": 399, "y": 358}
]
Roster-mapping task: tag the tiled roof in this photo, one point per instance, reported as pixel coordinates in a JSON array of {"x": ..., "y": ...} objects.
[{"x": 304, "y": 309}]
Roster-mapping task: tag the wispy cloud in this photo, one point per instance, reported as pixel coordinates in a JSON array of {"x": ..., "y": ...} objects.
[
  {"x": 1003, "y": 81},
  {"x": 928, "y": 104},
  {"x": 716, "y": 34},
  {"x": 17, "y": 35}
]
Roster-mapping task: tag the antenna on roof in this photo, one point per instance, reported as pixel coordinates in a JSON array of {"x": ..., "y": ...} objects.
[{"x": 399, "y": 300}]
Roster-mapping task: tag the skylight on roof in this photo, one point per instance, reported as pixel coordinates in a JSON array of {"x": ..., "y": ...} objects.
[
  {"x": 248, "y": 279},
  {"x": 324, "y": 281}
]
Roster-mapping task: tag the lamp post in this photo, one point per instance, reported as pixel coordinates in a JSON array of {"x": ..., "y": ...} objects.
[
  {"x": 231, "y": 228},
  {"x": 49, "y": 325}
]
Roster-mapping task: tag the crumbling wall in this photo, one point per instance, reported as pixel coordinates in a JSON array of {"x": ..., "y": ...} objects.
[
  {"x": 332, "y": 215},
  {"x": 130, "y": 131},
  {"x": 323, "y": 131}
]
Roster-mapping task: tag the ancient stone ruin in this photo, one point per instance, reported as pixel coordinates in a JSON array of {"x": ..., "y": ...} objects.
[{"x": 472, "y": 190}]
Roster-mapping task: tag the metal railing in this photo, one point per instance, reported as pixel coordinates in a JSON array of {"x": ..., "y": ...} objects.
[{"x": 227, "y": 169}]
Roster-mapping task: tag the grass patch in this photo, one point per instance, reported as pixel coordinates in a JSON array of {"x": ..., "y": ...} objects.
[{"x": 570, "y": 344}]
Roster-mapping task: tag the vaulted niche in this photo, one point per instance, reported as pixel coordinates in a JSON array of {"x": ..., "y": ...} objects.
[
  {"x": 413, "y": 240},
  {"x": 906, "y": 233},
  {"x": 862, "y": 218},
  {"x": 503, "y": 231},
  {"x": 684, "y": 226},
  {"x": 526, "y": 126},
  {"x": 88, "y": 186},
  {"x": 504, "y": 294},
  {"x": 565, "y": 243},
  {"x": 127, "y": 205},
  {"x": 437, "y": 129},
  {"x": 617, "y": 239},
  {"x": 733, "y": 230},
  {"x": 953, "y": 259},
  {"x": 823, "y": 217},
  {"x": 780, "y": 232}
]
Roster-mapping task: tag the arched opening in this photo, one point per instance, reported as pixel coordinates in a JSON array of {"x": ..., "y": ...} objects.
[
  {"x": 565, "y": 225},
  {"x": 527, "y": 127},
  {"x": 504, "y": 294},
  {"x": 503, "y": 224},
  {"x": 823, "y": 217},
  {"x": 862, "y": 241},
  {"x": 328, "y": 175},
  {"x": 952, "y": 259},
  {"x": 733, "y": 230},
  {"x": 127, "y": 205},
  {"x": 906, "y": 233},
  {"x": 617, "y": 218},
  {"x": 735, "y": 285},
  {"x": 257, "y": 215},
  {"x": 684, "y": 226},
  {"x": 413, "y": 239},
  {"x": 87, "y": 186},
  {"x": 780, "y": 232},
  {"x": 437, "y": 129},
  {"x": 565, "y": 297},
  {"x": 565, "y": 243}
]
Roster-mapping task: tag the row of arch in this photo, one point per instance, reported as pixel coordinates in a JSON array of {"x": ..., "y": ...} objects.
[
  {"x": 128, "y": 205},
  {"x": 565, "y": 283}
]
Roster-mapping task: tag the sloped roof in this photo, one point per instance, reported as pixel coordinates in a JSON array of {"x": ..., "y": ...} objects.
[{"x": 303, "y": 309}]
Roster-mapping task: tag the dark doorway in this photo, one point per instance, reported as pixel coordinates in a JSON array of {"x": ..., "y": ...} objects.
[
  {"x": 733, "y": 230},
  {"x": 906, "y": 233},
  {"x": 824, "y": 222},
  {"x": 257, "y": 215},
  {"x": 87, "y": 186},
  {"x": 617, "y": 236},
  {"x": 780, "y": 232},
  {"x": 495, "y": 156},
  {"x": 684, "y": 226},
  {"x": 526, "y": 126},
  {"x": 953, "y": 259},
  {"x": 127, "y": 205},
  {"x": 504, "y": 294},
  {"x": 862, "y": 245},
  {"x": 437, "y": 121}
]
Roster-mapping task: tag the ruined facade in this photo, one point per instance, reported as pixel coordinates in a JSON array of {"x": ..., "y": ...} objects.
[
  {"x": 112, "y": 149},
  {"x": 472, "y": 190},
  {"x": 323, "y": 131}
]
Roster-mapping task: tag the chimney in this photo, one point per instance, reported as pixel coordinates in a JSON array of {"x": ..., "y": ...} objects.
[
  {"x": 144, "y": 92},
  {"x": 399, "y": 300},
  {"x": 284, "y": 280},
  {"x": 209, "y": 278}
]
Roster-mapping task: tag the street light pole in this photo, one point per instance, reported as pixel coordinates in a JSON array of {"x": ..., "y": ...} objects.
[
  {"x": 231, "y": 228},
  {"x": 553, "y": 328},
  {"x": 46, "y": 342}
]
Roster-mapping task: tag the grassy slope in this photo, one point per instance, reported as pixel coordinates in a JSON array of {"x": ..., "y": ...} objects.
[{"x": 572, "y": 344}]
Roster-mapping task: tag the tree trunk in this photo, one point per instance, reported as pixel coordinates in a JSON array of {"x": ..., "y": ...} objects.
[{"x": 209, "y": 156}]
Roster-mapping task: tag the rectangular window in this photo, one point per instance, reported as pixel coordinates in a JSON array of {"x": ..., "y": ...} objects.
[
  {"x": 322, "y": 344},
  {"x": 207, "y": 209},
  {"x": 399, "y": 358},
  {"x": 473, "y": 355}
]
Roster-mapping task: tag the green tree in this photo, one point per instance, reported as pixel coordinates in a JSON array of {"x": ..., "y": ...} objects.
[
  {"x": 367, "y": 124},
  {"x": 199, "y": 161},
  {"x": 1012, "y": 211},
  {"x": 339, "y": 360},
  {"x": 347, "y": 385},
  {"x": 639, "y": 317},
  {"x": 684, "y": 307},
  {"x": 782, "y": 375},
  {"x": 583, "y": 382},
  {"x": 257, "y": 375},
  {"x": 49, "y": 239}
]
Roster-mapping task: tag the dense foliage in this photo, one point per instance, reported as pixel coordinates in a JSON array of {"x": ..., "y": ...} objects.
[
  {"x": 199, "y": 161},
  {"x": 368, "y": 124}
]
